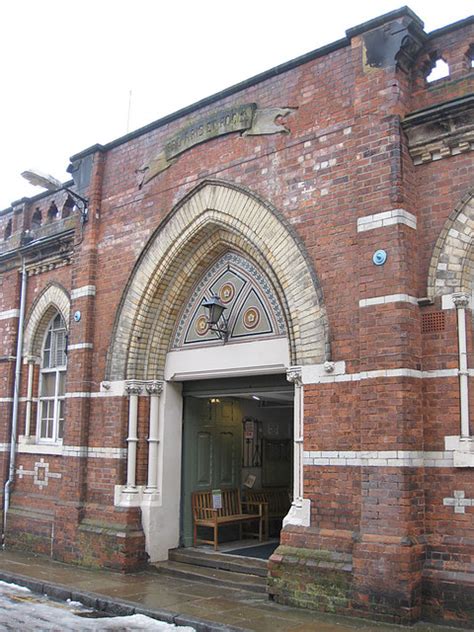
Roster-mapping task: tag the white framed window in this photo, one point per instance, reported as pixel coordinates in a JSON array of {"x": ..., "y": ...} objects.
[{"x": 50, "y": 423}]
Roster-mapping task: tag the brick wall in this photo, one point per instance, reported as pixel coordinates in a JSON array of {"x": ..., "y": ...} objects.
[{"x": 343, "y": 183}]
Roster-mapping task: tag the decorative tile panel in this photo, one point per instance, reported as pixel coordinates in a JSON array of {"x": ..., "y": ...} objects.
[{"x": 251, "y": 306}]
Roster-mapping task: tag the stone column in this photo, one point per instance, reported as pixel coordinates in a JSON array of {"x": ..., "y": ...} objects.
[
  {"x": 154, "y": 390},
  {"x": 294, "y": 375},
  {"x": 133, "y": 388},
  {"x": 300, "y": 510},
  {"x": 461, "y": 301}
]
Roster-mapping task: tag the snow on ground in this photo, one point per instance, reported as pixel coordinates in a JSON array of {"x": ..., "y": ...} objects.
[{"x": 20, "y": 609}]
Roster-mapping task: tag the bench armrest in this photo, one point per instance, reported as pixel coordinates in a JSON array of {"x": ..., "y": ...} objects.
[
  {"x": 204, "y": 513},
  {"x": 262, "y": 506}
]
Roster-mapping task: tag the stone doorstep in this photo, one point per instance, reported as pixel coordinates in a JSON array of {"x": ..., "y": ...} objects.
[
  {"x": 222, "y": 561},
  {"x": 224, "y": 578},
  {"x": 102, "y": 603}
]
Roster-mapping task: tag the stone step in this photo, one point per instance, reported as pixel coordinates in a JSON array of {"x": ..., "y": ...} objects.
[
  {"x": 222, "y": 561},
  {"x": 223, "y": 578}
]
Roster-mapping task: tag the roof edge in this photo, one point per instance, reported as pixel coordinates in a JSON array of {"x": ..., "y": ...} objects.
[
  {"x": 238, "y": 87},
  {"x": 451, "y": 27},
  {"x": 34, "y": 198},
  {"x": 382, "y": 19}
]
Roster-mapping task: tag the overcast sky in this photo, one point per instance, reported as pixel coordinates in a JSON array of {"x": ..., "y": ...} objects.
[{"x": 68, "y": 67}]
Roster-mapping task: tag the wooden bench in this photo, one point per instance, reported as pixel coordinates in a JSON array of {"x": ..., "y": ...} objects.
[
  {"x": 231, "y": 512},
  {"x": 276, "y": 502}
]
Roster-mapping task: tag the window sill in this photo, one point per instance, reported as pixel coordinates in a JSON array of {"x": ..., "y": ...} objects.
[{"x": 28, "y": 445}]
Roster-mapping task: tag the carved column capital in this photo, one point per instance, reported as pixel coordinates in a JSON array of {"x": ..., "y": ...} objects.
[
  {"x": 133, "y": 387},
  {"x": 461, "y": 300},
  {"x": 154, "y": 388},
  {"x": 293, "y": 375}
]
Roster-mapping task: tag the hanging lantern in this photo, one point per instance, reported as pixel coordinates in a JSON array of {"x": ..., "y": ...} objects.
[{"x": 215, "y": 315}]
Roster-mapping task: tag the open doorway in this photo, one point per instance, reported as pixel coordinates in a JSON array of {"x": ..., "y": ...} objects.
[{"x": 237, "y": 450}]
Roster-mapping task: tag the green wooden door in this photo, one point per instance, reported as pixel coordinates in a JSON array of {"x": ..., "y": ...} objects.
[{"x": 212, "y": 437}]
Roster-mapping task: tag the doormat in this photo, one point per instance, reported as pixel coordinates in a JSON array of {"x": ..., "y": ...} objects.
[{"x": 261, "y": 551}]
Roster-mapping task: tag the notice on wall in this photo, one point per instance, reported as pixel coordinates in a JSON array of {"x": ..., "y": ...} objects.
[
  {"x": 250, "y": 481},
  {"x": 216, "y": 499},
  {"x": 249, "y": 430}
]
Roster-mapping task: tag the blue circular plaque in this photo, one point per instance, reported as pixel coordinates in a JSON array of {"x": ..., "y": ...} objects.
[
  {"x": 77, "y": 316},
  {"x": 379, "y": 257}
]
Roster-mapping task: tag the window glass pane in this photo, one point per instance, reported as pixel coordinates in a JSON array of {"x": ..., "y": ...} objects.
[
  {"x": 60, "y": 347},
  {"x": 61, "y": 418},
  {"x": 46, "y": 429},
  {"x": 46, "y": 359},
  {"x": 48, "y": 384},
  {"x": 62, "y": 382},
  {"x": 47, "y": 344}
]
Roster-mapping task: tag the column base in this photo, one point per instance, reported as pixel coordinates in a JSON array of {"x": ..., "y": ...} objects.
[
  {"x": 128, "y": 496},
  {"x": 299, "y": 514}
]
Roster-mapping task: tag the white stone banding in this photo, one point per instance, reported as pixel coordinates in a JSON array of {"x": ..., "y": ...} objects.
[
  {"x": 85, "y": 290},
  {"x": 386, "y": 218}
]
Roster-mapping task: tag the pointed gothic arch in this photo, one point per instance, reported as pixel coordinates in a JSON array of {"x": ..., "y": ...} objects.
[
  {"x": 452, "y": 262},
  {"x": 214, "y": 218},
  {"x": 54, "y": 298}
]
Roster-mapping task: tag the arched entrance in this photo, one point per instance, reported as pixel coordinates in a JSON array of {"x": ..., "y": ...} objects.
[
  {"x": 237, "y": 431},
  {"x": 214, "y": 220}
]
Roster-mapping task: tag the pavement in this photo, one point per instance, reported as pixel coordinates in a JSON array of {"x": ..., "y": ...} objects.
[{"x": 204, "y": 606}]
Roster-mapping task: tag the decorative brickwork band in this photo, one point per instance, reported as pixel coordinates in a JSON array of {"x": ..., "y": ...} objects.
[
  {"x": 133, "y": 389},
  {"x": 154, "y": 389}
]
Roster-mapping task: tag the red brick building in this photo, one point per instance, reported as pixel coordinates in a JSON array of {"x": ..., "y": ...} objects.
[{"x": 329, "y": 204}]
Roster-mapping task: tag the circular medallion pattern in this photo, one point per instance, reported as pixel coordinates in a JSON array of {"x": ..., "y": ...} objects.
[
  {"x": 251, "y": 317},
  {"x": 227, "y": 292},
  {"x": 201, "y": 327}
]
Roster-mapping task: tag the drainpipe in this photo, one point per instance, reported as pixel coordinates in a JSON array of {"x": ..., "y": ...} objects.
[
  {"x": 16, "y": 398},
  {"x": 461, "y": 301}
]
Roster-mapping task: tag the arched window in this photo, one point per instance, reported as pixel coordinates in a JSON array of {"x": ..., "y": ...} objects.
[
  {"x": 8, "y": 230},
  {"x": 36, "y": 219},
  {"x": 52, "y": 381},
  {"x": 470, "y": 56},
  {"x": 53, "y": 212},
  {"x": 68, "y": 207},
  {"x": 436, "y": 68}
]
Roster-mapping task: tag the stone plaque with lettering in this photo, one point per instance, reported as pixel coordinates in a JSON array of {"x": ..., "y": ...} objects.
[
  {"x": 235, "y": 119},
  {"x": 247, "y": 118}
]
